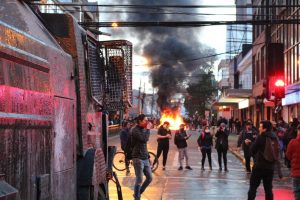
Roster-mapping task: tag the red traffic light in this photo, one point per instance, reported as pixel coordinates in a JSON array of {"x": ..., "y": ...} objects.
[
  {"x": 279, "y": 91},
  {"x": 279, "y": 83}
]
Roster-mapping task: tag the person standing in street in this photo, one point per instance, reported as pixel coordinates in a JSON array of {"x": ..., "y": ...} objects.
[
  {"x": 163, "y": 137},
  {"x": 205, "y": 142},
  {"x": 222, "y": 146},
  {"x": 180, "y": 141},
  {"x": 124, "y": 136},
  {"x": 263, "y": 169},
  {"x": 246, "y": 139},
  {"x": 293, "y": 154},
  {"x": 140, "y": 156}
]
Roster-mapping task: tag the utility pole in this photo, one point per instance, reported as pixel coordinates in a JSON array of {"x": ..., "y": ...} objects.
[
  {"x": 267, "y": 44},
  {"x": 152, "y": 103},
  {"x": 143, "y": 98},
  {"x": 139, "y": 98}
]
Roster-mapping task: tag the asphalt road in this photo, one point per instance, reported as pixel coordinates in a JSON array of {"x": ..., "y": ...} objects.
[{"x": 172, "y": 184}]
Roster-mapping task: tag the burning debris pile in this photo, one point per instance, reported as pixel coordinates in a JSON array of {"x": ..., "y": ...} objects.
[{"x": 171, "y": 115}]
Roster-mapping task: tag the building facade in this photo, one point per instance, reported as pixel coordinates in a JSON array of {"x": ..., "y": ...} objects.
[{"x": 288, "y": 36}]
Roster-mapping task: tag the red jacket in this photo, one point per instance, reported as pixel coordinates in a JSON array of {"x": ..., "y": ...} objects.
[{"x": 293, "y": 154}]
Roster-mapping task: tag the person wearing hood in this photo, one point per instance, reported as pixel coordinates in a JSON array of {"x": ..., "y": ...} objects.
[
  {"x": 293, "y": 154},
  {"x": 205, "y": 142},
  {"x": 262, "y": 169}
]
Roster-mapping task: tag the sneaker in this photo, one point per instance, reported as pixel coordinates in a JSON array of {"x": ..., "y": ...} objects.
[
  {"x": 226, "y": 170},
  {"x": 180, "y": 168},
  {"x": 188, "y": 167},
  {"x": 202, "y": 168}
]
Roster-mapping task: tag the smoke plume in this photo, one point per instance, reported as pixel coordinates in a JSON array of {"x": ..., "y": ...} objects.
[{"x": 167, "y": 49}]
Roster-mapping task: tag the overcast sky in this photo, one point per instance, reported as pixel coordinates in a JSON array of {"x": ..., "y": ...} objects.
[{"x": 213, "y": 36}]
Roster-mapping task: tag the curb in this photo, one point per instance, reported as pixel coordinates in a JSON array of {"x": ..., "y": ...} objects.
[{"x": 240, "y": 157}]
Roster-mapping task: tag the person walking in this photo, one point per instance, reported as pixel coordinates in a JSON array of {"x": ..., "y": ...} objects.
[
  {"x": 222, "y": 145},
  {"x": 263, "y": 169},
  {"x": 163, "y": 137},
  {"x": 246, "y": 139},
  {"x": 293, "y": 154},
  {"x": 124, "y": 136},
  {"x": 140, "y": 156},
  {"x": 180, "y": 141},
  {"x": 205, "y": 142}
]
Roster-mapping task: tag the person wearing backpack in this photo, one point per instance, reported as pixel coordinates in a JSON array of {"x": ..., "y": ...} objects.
[
  {"x": 266, "y": 152},
  {"x": 180, "y": 141},
  {"x": 140, "y": 156},
  {"x": 293, "y": 154},
  {"x": 205, "y": 142}
]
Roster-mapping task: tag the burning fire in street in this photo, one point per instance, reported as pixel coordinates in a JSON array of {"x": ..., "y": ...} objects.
[{"x": 173, "y": 117}]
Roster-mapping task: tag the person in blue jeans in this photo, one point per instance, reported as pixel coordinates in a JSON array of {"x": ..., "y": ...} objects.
[{"x": 140, "y": 156}]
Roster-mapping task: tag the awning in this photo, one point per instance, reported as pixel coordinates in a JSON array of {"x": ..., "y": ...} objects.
[{"x": 238, "y": 98}]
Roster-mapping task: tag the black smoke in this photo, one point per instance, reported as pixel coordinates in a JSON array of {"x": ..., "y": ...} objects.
[{"x": 169, "y": 50}]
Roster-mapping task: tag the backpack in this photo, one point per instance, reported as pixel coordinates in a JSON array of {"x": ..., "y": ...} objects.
[
  {"x": 129, "y": 148},
  {"x": 271, "y": 152}
]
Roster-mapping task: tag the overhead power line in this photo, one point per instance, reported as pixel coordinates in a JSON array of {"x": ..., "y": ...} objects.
[
  {"x": 142, "y": 6},
  {"x": 187, "y": 23}
]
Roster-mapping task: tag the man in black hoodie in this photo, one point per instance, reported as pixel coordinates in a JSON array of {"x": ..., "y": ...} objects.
[{"x": 262, "y": 169}]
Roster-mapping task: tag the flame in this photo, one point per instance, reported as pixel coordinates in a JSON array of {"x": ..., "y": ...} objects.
[{"x": 173, "y": 117}]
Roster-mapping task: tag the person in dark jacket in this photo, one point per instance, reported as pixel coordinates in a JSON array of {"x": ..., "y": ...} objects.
[
  {"x": 293, "y": 154},
  {"x": 246, "y": 139},
  {"x": 140, "y": 156},
  {"x": 238, "y": 126},
  {"x": 205, "y": 142},
  {"x": 262, "y": 169},
  {"x": 180, "y": 141},
  {"x": 124, "y": 136},
  {"x": 163, "y": 137},
  {"x": 222, "y": 146}
]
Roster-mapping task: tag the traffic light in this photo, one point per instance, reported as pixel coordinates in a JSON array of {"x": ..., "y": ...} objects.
[
  {"x": 279, "y": 89},
  {"x": 274, "y": 71}
]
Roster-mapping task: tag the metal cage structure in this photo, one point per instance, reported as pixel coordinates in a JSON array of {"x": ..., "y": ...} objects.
[{"x": 116, "y": 67}]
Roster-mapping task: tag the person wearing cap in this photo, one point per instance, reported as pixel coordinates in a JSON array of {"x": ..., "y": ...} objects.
[
  {"x": 222, "y": 145},
  {"x": 246, "y": 139},
  {"x": 163, "y": 137},
  {"x": 180, "y": 141},
  {"x": 293, "y": 154}
]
